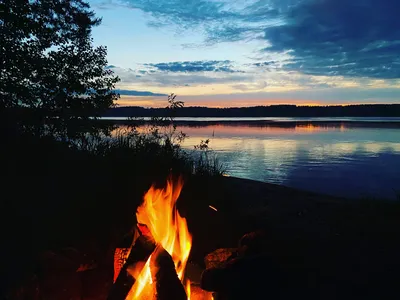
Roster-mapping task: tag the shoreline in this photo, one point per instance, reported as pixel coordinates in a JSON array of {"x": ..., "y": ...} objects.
[
  {"x": 270, "y": 123},
  {"x": 244, "y": 205}
]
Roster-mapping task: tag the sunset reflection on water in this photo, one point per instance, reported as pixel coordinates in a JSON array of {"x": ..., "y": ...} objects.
[{"x": 337, "y": 159}]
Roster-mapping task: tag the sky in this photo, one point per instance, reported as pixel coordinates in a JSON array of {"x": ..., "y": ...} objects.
[{"x": 224, "y": 53}]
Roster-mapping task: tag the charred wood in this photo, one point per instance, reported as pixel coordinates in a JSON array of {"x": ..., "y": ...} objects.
[
  {"x": 140, "y": 253},
  {"x": 163, "y": 272}
]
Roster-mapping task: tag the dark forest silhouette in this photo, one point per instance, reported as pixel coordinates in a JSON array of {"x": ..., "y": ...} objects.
[
  {"x": 367, "y": 110},
  {"x": 53, "y": 79}
]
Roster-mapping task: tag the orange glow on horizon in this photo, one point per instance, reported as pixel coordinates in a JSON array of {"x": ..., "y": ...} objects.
[{"x": 157, "y": 102}]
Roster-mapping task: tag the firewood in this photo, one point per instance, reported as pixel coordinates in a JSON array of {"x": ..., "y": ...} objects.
[
  {"x": 139, "y": 254},
  {"x": 163, "y": 272}
]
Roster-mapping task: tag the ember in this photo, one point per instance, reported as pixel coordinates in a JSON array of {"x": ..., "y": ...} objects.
[{"x": 212, "y": 207}]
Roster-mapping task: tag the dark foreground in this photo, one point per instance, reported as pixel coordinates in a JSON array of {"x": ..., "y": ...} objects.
[{"x": 317, "y": 247}]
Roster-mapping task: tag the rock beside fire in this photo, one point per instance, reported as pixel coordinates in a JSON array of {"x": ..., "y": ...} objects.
[
  {"x": 245, "y": 272},
  {"x": 252, "y": 243},
  {"x": 219, "y": 257}
]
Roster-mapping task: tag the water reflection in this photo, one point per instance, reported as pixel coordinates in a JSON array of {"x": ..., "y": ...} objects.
[
  {"x": 336, "y": 159},
  {"x": 340, "y": 159}
]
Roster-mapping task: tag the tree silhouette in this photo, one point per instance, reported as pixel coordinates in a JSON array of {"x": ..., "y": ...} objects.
[{"x": 50, "y": 72}]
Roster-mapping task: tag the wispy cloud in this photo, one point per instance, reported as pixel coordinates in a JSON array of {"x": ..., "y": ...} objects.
[
  {"x": 195, "y": 66},
  {"x": 180, "y": 76},
  {"x": 138, "y": 93},
  {"x": 186, "y": 13},
  {"x": 358, "y": 38},
  {"x": 257, "y": 78}
]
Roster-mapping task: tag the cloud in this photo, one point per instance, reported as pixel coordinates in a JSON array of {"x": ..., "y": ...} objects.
[
  {"x": 248, "y": 87},
  {"x": 183, "y": 74},
  {"x": 358, "y": 38},
  {"x": 321, "y": 96},
  {"x": 180, "y": 74},
  {"x": 256, "y": 79},
  {"x": 236, "y": 17},
  {"x": 185, "y": 13},
  {"x": 264, "y": 64},
  {"x": 195, "y": 66},
  {"x": 190, "y": 79},
  {"x": 138, "y": 93}
]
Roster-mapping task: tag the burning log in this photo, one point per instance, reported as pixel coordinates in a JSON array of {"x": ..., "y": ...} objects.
[
  {"x": 163, "y": 273},
  {"x": 139, "y": 254},
  {"x": 162, "y": 269}
]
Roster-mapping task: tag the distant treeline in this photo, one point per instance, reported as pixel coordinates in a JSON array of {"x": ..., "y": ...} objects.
[{"x": 367, "y": 110}]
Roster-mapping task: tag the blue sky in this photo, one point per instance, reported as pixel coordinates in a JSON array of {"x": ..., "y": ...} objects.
[{"x": 252, "y": 52}]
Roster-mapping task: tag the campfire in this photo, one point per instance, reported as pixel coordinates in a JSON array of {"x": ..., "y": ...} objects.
[
  {"x": 154, "y": 266},
  {"x": 155, "y": 263}
]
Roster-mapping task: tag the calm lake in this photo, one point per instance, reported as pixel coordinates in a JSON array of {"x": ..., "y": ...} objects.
[{"x": 360, "y": 158}]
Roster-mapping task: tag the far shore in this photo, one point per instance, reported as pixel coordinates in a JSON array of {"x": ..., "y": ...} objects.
[{"x": 268, "y": 123}]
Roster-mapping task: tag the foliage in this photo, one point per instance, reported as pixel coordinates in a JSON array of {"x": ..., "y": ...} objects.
[
  {"x": 51, "y": 76},
  {"x": 157, "y": 140},
  {"x": 163, "y": 131},
  {"x": 173, "y": 105},
  {"x": 207, "y": 162},
  {"x": 160, "y": 129}
]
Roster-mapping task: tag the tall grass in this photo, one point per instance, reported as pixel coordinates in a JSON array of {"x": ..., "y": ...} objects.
[
  {"x": 153, "y": 144},
  {"x": 206, "y": 162}
]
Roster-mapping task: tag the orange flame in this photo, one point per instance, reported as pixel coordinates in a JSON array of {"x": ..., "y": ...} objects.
[
  {"x": 168, "y": 229},
  {"x": 188, "y": 288}
]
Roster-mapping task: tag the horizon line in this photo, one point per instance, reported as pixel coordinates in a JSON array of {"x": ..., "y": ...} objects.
[{"x": 272, "y": 105}]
